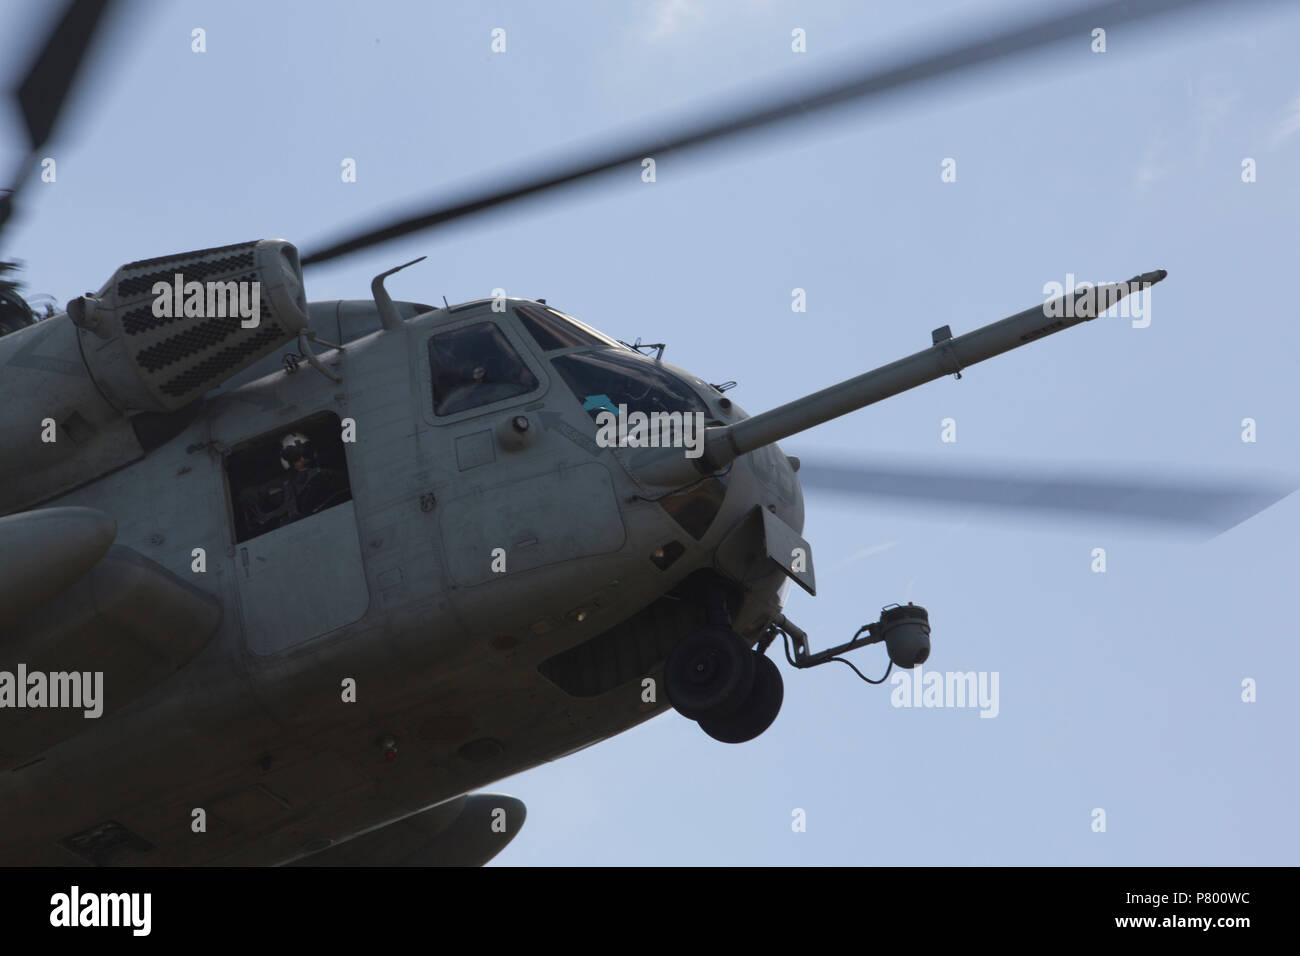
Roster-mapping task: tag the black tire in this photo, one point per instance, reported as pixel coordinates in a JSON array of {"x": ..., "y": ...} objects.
[
  {"x": 711, "y": 673},
  {"x": 758, "y": 711}
]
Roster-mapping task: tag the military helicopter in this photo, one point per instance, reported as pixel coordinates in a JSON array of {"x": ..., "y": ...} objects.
[{"x": 271, "y": 544}]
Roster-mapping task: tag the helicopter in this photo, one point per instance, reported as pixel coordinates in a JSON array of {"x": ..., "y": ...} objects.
[{"x": 504, "y": 566}]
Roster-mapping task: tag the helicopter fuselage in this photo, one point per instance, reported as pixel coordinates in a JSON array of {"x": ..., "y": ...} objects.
[{"x": 499, "y": 590}]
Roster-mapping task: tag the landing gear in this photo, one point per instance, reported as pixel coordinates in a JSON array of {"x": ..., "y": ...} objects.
[
  {"x": 734, "y": 692},
  {"x": 756, "y": 713},
  {"x": 710, "y": 673},
  {"x": 714, "y": 678}
]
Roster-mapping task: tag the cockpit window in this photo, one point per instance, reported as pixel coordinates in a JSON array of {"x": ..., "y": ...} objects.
[
  {"x": 474, "y": 366},
  {"x": 555, "y": 330},
  {"x": 605, "y": 380}
]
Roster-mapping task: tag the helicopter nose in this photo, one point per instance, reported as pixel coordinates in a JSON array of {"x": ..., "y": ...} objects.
[{"x": 775, "y": 472}]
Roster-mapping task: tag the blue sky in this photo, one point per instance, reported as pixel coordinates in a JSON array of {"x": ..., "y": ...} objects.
[{"x": 1120, "y": 690}]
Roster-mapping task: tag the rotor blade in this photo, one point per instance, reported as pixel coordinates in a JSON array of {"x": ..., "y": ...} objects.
[
  {"x": 42, "y": 92},
  {"x": 1214, "y": 506},
  {"x": 45, "y": 87},
  {"x": 781, "y": 106}
]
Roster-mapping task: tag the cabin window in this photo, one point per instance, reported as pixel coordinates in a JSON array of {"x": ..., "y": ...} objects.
[
  {"x": 475, "y": 365},
  {"x": 286, "y": 476}
]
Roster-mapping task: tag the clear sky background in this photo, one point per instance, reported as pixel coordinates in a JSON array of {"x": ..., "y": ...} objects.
[{"x": 1119, "y": 691}]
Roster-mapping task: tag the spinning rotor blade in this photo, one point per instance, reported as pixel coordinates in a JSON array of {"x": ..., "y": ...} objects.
[
  {"x": 741, "y": 118},
  {"x": 42, "y": 93},
  {"x": 1211, "y": 506},
  {"x": 44, "y": 89}
]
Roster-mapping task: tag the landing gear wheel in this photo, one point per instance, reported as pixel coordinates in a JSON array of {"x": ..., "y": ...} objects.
[
  {"x": 711, "y": 673},
  {"x": 756, "y": 713}
]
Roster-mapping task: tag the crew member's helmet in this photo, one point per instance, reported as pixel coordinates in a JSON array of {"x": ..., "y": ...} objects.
[{"x": 293, "y": 446}]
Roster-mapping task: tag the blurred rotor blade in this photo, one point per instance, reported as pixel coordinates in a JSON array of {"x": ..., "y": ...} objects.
[
  {"x": 1213, "y": 506},
  {"x": 44, "y": 89},
  {"x": 777, "y": 107}
]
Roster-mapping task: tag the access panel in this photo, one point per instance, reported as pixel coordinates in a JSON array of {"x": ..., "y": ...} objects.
[{"x": 533, "y": 521}]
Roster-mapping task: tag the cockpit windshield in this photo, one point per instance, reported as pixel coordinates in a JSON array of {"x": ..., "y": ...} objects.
[
  {"x": 553, "y": 329},
  {"x": 604, "y": 380}
]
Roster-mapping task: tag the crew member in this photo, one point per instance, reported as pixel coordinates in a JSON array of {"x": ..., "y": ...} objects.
[{"x": 305, "y": 489}]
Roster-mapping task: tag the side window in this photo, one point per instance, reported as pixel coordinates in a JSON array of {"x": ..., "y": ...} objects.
[
  {"x": 286, "y": 476},
  {"x": 473, "y": 366}
]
